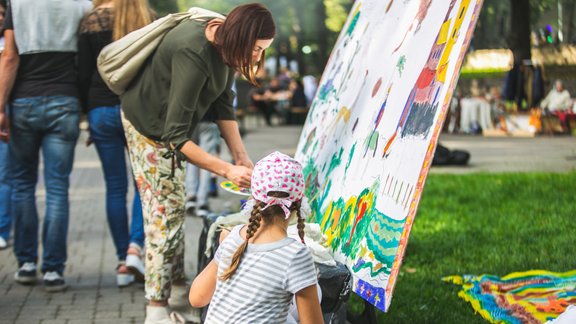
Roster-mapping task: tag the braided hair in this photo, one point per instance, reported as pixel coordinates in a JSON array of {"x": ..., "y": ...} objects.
[
  {"x": 256, "y": 217},
  {"x": 253, "y": 225}
]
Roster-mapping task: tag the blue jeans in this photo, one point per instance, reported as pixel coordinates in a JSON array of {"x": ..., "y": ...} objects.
[
  {"x": 50, "y": 123},
  {"x": 108, "y": 135},
  {"x": 207, "y": 136},
  {"x": 5, "y": 192}
]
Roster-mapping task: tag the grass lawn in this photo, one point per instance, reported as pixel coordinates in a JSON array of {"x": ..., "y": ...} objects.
[{"x": 481, "y": 224}]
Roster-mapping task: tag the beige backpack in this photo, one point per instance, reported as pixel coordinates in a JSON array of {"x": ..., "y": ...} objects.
[{"x": 120, "y": 61}]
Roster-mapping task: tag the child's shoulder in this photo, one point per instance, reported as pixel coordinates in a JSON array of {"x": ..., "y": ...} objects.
[
  {"x": 234, "y": 235},
  {"x": 298, "y": 249}
]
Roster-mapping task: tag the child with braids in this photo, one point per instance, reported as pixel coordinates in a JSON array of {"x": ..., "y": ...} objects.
[{"x": 258, "y": 269}]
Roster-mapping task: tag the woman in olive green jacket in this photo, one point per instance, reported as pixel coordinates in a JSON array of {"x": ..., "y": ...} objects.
[{"x": 189, "y": 75}]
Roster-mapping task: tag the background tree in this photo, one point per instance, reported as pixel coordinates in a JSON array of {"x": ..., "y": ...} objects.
[
  {"x": 164, "y": 7},
  {"x": 314, "y": 24},
  {"x": 519, "y": 39}
]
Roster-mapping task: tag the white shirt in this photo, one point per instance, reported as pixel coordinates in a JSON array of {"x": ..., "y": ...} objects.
[{"x": 557, "y": 100}]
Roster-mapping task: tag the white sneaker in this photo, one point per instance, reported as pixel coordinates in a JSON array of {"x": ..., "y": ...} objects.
[
  {"x": 158, "y": 315},
  {"x": 3, "y": 243},
  {"x": 180, "y": 304},
  {"x": 26, "y": 274},
  {"x": 203, "y": 211},
  {"x": 54, "y": 282},
  {"x": 134, "y": 262},
  {"x": 186, "y": 314}
]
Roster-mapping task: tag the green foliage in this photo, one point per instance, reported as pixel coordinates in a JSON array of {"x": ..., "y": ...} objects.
[
  {"x": 539, "y": 6},
  {"x": 480, "y": 224},
  {"x": 336, "y": 14},
  {"x": 164, "y": 7},
  {"x": 299, "y": 23}
]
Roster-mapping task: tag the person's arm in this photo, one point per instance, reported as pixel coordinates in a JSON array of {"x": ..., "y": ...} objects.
[
  {"x": 309, "y": 310},
  {"x": 231, "y": 134},
  {"x": 9, "y": 62},
  {"x": 203, "y": 286},
  {"x": 225, "y": 118},
  {"x": 301, "y": 281},
  {"x": 189, "y": 76},
  {"x": 240, "y": 175},
  {"x": 546, "y": 101}
]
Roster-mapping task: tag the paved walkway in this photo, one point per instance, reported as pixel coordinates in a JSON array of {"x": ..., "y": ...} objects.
[{"x": 92, "y": 296}]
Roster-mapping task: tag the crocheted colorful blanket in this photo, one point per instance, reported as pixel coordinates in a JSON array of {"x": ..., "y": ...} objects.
[{"x": 534, "y": 296}]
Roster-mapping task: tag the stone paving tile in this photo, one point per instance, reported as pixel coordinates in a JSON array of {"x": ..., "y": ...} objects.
[
  {"x": 76, "y": 321},
  {"x": 28, "y": 321}
]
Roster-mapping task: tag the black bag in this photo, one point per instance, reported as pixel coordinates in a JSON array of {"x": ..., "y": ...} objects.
[
  {"x": 443, "y": 156},
  {"x": 459, "y": 157},
  {"x": 204, "y": 259},
  {"x": 336, "y": 285}
]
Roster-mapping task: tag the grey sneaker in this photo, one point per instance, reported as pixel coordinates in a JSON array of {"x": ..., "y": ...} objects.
[
  {"x": 203, "y": 211},
  {"x": 54, "y": 282},
  {"x": 26, "y": 275}
]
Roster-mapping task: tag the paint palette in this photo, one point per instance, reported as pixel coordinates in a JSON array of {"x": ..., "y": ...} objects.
[{"x": 233, "y": 188}]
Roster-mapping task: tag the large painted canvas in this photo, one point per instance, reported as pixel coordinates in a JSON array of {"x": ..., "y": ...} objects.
[{"x": 372, "y": 129}]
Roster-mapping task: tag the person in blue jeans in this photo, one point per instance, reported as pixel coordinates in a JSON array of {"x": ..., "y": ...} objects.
[
  {"x": 107, "y": 134},
  {"x": 38, "y": 76},
  {"x": 108, "y": 21}
]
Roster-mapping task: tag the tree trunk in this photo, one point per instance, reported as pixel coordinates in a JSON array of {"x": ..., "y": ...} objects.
[
  {"x": 322, "y": 35},
  {"x": 569, "y": 6},
  {"x": 519, "y": 40},
  {"x": 299, "y": 54}
]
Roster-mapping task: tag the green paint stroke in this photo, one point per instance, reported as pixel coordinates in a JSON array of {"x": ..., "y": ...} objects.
[
  {"x": 347, "y": 223},
  {"x": 353, "y": 23},
  {"x": 350, "y": 155}
]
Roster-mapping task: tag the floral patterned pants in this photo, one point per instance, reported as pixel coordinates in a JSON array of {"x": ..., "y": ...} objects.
[{"x": 163, "y": 209}]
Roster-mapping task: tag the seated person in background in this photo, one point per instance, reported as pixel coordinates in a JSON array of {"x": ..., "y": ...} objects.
[
  {"x": 298, "y": 98},
  {"x": 558, "y": 99},
  {"x": 475, "y": 111},
  {"x": 259, "y": 98}
]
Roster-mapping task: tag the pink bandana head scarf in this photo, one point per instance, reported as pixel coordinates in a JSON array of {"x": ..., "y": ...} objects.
[{"x": 278, "y": 172}]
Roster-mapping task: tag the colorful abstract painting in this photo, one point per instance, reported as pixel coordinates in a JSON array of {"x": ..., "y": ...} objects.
[
  {"x": 519, "y": 298},
  {"x": 368, "y": 141}
]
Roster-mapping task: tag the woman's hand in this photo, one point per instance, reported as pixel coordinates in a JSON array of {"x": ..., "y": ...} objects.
[
  {"x": 240, "y": 175},
  {"x": 244, "y": 160}
]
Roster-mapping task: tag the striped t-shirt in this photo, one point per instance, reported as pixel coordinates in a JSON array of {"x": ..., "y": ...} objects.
[{"x": 261, "y": 289}]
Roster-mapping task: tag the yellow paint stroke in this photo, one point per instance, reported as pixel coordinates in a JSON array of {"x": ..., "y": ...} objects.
[
  {"x": 453, "y": 36},
  {"x": 443, "y": 36}
]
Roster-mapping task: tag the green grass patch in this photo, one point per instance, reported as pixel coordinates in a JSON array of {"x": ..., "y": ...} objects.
[{"x": 481, "y": 224}]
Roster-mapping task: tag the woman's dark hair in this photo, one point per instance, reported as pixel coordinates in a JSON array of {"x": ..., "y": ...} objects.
[{"x": 237, "y": 36}]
